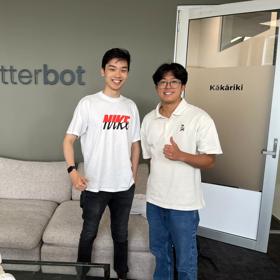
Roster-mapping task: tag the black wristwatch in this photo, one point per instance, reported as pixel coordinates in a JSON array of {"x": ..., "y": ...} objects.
[{"x": 71, "y": 168}]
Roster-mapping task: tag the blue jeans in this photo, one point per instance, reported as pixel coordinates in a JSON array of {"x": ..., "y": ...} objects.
[
  {"x": 93, "y": 205},
  {"x": 173, "y": 228}
]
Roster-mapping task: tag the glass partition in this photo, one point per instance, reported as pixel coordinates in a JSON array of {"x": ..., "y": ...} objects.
[{"x": 231, "y": 65}]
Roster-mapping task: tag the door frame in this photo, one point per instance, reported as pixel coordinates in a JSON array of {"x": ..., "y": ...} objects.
[{"x": 184, "y": 14}]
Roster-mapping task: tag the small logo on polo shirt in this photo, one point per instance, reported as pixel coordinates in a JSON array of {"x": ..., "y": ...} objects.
[{"x": 182, "y": 127}]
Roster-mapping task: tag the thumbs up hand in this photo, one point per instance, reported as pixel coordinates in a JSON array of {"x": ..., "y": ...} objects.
[{"x": 172, "y": 151}]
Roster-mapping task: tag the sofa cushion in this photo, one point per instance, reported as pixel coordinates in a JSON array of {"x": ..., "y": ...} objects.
[
  {"x": 139, "y": 205},
  {"x": 65, "y": 227},
  {"x": 34, "y": 180},
  {"x": 141, "y": 181},
  {"x": 21, "y": 254},
  {"x": 23, "y": 222}
]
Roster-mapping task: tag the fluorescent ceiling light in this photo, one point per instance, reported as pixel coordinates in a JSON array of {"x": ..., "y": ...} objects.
[
  {"x": 236, "y": 39},
  {"x": 272, "y": 23}
]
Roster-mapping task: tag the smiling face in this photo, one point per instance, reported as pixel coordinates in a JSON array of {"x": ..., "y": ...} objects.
[
  {"x": 169, "y": 89},
  {"x": 115, "y": 75}
]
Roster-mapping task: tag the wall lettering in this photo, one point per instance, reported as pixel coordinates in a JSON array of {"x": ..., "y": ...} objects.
[
  {"x": 46, "y": 76},
  {"x": 226, "y": 87}
]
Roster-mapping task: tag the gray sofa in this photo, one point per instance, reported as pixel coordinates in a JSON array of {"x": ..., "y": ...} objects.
[{"x": 40, "y": 218}]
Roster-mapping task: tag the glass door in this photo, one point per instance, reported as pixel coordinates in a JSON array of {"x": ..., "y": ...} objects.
[{"x": 231, "y": 54}]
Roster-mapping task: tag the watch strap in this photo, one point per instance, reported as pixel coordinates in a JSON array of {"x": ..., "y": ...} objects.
[{"x": 71, "y": 168}]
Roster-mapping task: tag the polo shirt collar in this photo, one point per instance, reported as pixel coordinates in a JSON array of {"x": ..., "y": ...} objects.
[{"x": 178, "y": 111}]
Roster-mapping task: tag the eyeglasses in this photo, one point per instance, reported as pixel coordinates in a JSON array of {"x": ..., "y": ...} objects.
[{"x": 172, "y": 84}]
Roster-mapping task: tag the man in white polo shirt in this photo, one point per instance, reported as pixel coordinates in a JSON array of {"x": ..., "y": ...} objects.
[
  {"x": 179, "y": 139},
  {"x": 109, "y": 128}
]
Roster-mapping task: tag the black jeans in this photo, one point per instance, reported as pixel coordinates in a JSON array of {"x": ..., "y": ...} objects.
[{"x": 93, "y": 205}]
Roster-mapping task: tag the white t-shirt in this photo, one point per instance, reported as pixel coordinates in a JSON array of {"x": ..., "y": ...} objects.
[
  {"x": 175, "y": 184},
  {"x": 107, "y": 127}
]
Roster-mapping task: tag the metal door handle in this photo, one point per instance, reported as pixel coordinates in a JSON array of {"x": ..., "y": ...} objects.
[{"x": 273, "y": 152}]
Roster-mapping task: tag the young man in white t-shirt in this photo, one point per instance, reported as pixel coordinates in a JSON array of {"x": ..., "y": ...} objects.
[
  {"x": 109, "y": 128},
  {"x": 179, "y": 139}
]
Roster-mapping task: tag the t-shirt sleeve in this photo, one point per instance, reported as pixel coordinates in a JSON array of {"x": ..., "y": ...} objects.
[
  {"x": 144, "y": 143},
  {"x": 135, "y": 131},
  {"x": 208, "y": 139},
  {"x": 79, "y": 122}
]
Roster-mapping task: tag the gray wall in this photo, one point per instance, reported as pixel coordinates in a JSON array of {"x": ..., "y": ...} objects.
[{"x": 65, "y": 34}]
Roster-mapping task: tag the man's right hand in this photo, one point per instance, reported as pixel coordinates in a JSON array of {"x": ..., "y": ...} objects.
[{"x": 78, "y": 181}]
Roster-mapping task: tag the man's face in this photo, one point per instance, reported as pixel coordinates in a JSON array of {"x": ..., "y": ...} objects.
[
  {"x": 169, "y": 89},
  {"x": 115, "y": 74}
]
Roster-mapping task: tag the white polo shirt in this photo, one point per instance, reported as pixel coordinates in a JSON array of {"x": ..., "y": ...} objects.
[
  {"x": 107, "y": 127},
  {"x": 174, "y": 184}
]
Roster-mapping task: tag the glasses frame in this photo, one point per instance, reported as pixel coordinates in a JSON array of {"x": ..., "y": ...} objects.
[{"x": 162, "y": 84}]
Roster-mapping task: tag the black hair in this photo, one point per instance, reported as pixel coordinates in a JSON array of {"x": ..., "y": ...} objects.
[
  {"x": 122, "y": 54},
  {"x": 176, "y": 69}
]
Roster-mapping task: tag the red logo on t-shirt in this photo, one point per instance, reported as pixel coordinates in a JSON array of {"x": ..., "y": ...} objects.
[{"x": 116, "y": 121}]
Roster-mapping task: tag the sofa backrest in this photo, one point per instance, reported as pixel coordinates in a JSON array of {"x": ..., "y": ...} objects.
[
  {"x": 141, "y": 181},
  {"x": 34, "y": 180},
  {"x": 142, "y": 178}
]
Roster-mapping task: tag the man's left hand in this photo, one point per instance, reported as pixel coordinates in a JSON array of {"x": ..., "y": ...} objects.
[{"x": 172, "y": 151}]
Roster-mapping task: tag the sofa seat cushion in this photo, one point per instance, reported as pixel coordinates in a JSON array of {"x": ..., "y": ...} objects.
[
  {"x": 21, "y": 254},
  {"x": 65, "y": 227},
  {"x": 23, "y": 222}
]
